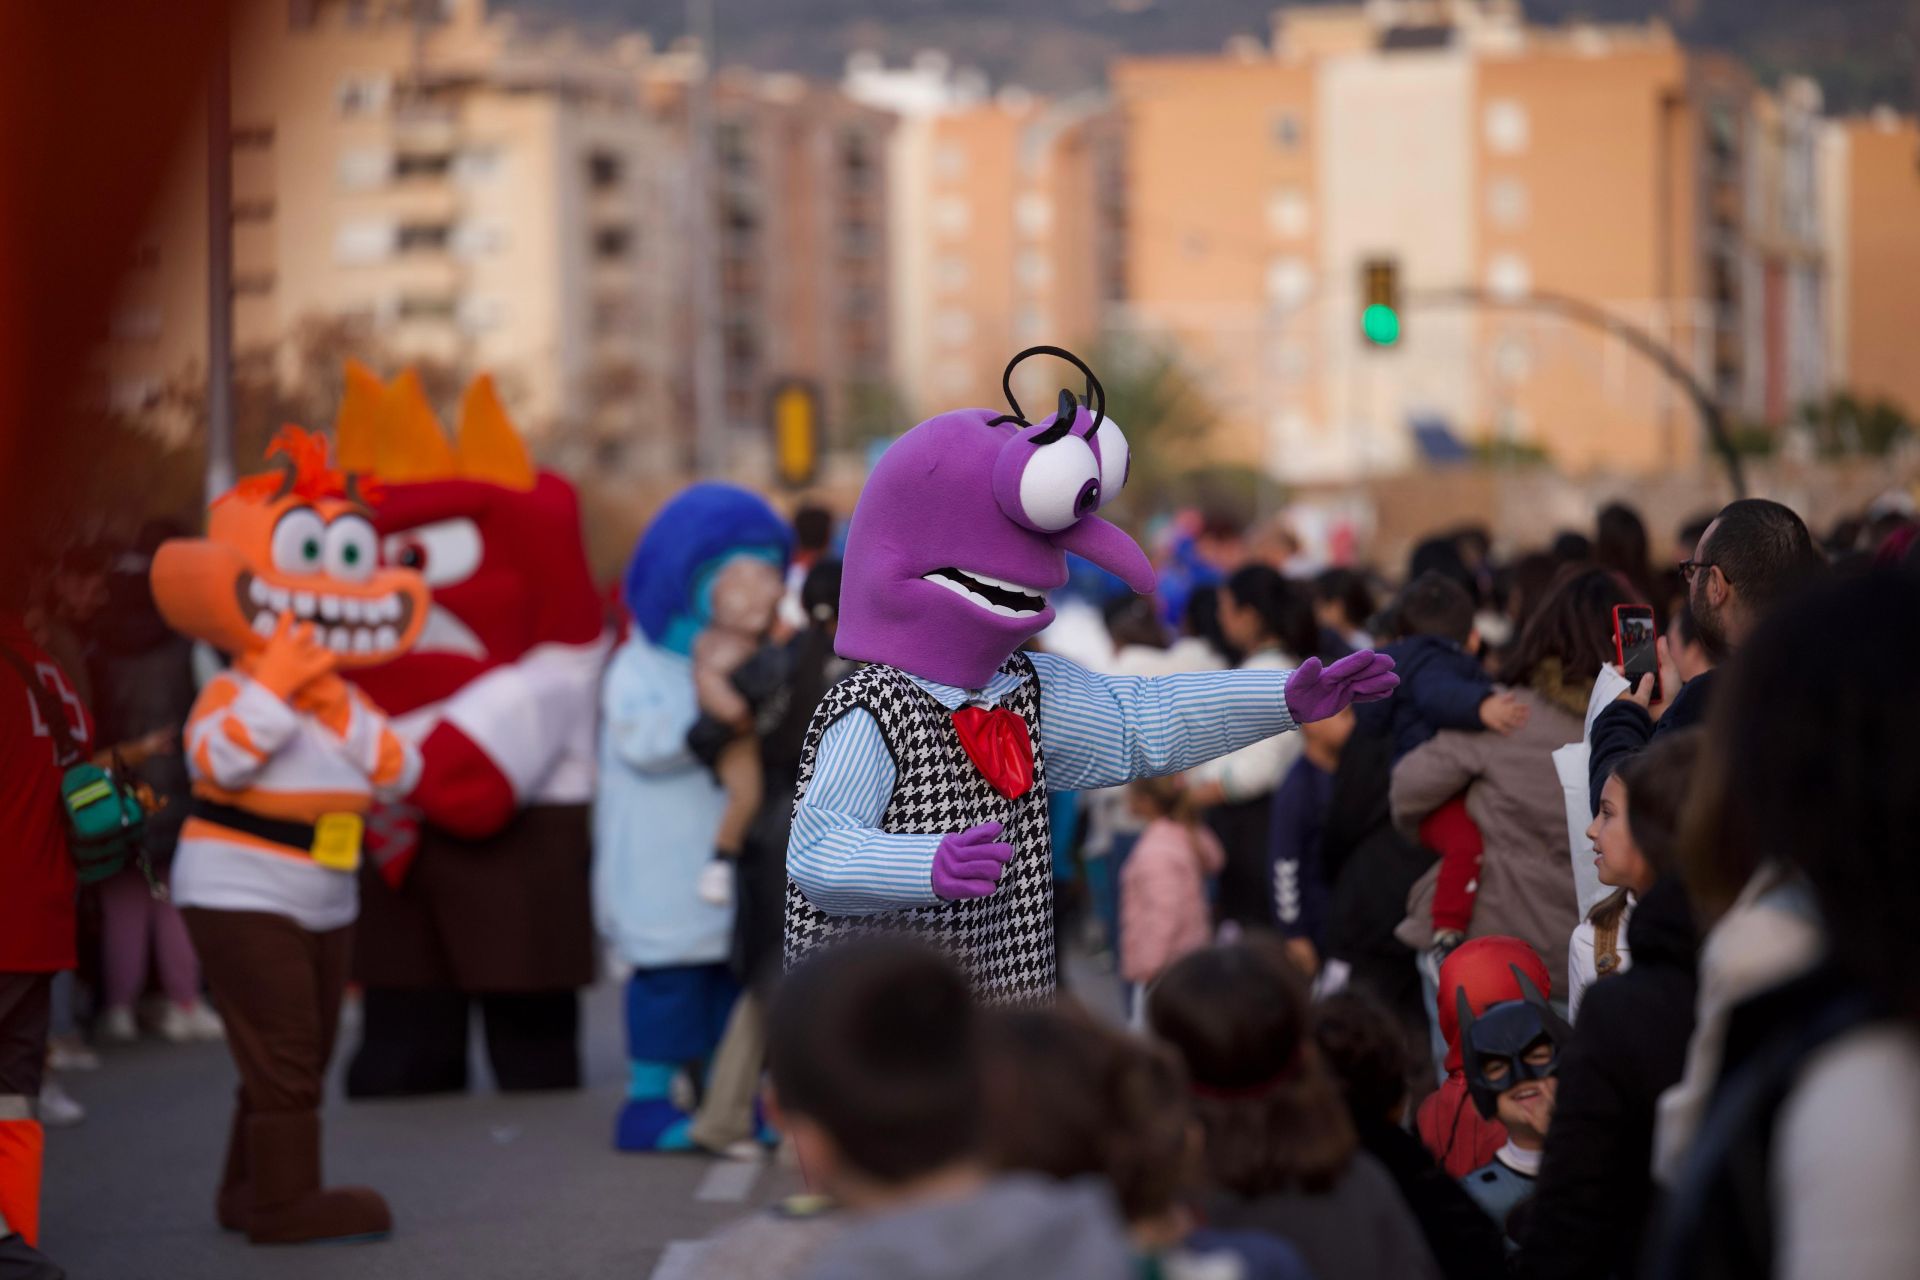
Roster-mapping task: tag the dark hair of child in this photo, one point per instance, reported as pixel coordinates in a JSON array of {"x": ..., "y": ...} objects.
[
  {"x": 1069, "y": 1097},
  {"x": 1435, "y": 605},
  {"x": 876, "y": 1041},
  {"x": 1239, "y": 1018},
  {"x": 1347, "y": 589},
  {"x": 1366, "y": 1051}
]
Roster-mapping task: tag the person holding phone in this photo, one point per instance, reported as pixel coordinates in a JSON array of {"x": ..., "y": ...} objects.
[{"x": 1754, "y": 553}]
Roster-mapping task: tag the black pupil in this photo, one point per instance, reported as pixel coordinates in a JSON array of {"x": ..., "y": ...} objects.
[
  {"x": 412, "y": 557},
  {"x": 351, "y": 555},
  {"x": 310, "y": 548}
]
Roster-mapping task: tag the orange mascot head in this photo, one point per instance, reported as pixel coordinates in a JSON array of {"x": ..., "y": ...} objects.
[{"x": 291, "y": 546}]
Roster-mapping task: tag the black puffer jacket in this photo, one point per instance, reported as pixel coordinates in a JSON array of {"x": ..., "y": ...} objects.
[
  {"x": 1595, "y": 1193},
  {"x": 1624, "y": 729},
  {"x": 1463, "y": 1238}
]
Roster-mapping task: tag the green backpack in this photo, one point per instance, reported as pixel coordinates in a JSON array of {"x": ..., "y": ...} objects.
[{"x": 106, "y": 824}]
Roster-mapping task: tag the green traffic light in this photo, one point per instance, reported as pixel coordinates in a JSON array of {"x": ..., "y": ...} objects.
[{"x": 1381, "y": 325}]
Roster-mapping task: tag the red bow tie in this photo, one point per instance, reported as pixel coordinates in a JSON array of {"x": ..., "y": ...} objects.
[{"x": 997, "y": 742}]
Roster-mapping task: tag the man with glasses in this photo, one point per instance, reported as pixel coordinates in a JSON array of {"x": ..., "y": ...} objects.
[{"x": 1753, "y": 554}]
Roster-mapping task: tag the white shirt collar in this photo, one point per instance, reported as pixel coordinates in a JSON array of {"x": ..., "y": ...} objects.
[
  {"x": 953, "y": 697},
  {"x": 1526, "y": 1163}
]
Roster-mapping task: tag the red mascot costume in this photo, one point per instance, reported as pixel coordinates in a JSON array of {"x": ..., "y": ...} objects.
[{"x": 476, "y": 890}]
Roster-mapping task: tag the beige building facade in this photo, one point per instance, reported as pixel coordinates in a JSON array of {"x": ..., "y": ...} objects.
[
  {"x": 1005, "y": 228},
  {"x": 496, "y": 195},
  {"x": 1467, "y": 151},
  {"x": 1870, "y": 183}
]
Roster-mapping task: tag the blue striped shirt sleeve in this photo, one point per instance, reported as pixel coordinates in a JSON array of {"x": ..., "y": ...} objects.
[
  {"x": 1101, "y": 731},
  {"x": 837, "y": 854}
]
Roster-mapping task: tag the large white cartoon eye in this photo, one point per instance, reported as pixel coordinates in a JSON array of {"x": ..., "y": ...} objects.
[
  {"x": 353, "y": 548},
  {"x": 299, "y": 541},
  {"x": 444, "y": 552},
  {"x": 1059, "y": 484},
  {"x": 1116, "y": 461}
]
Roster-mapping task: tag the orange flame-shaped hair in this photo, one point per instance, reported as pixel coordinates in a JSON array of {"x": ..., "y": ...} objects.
[{"x": 305, "y": 472}]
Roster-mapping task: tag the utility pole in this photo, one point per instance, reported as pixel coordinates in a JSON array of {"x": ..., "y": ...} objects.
[
  {"x": 709, "y": 373},
  {"x": 220, "y": 472}
]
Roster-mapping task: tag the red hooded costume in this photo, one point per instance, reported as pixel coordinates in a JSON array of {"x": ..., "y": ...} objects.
[{"x": 1457, "y": 1135}]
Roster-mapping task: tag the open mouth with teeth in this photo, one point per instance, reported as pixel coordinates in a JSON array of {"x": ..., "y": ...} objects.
[
  {"x": 995, "y": 595},
  {"x": 365, "y": 627}
]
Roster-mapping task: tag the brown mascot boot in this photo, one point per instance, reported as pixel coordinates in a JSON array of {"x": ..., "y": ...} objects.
[
  {"x": 289, "y": 1205},
  {"x": 235, "y": 1201}
]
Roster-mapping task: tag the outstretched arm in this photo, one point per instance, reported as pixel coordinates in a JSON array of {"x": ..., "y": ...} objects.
[
  {"x": 1101, "y": 731},
  {"x": 837, "y": 854}
]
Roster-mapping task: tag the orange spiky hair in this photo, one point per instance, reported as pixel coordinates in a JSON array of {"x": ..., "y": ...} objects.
[
  {"x": 388, "y": 429},
  {"x": 305, "y": 471}
]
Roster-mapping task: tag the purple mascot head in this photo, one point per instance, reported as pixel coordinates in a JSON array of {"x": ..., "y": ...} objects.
[{"x": 964, "y": 526}]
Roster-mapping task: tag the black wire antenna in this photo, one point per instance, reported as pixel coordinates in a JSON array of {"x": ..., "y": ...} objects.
[{"x": 1096, "y": 396}]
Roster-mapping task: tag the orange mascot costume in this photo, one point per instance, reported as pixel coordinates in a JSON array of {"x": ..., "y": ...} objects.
[{"x": 286, "y": 758}]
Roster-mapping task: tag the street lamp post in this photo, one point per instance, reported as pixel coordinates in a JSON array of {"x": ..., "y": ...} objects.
[{"x": 219, "y": 472}]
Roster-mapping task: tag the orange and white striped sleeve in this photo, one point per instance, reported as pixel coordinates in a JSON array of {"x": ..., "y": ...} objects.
[
  {"x": 236, "y": 727},
  {"x": 391, "y": 763}
]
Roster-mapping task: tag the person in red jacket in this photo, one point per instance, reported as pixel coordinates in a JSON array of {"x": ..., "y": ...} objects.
[
  {"x": 37, "y": 906},
  {"x": 1457, "y": 1135}
]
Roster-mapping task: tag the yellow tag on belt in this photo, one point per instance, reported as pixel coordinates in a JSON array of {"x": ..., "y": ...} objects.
[{"x": 336, "y": 841}]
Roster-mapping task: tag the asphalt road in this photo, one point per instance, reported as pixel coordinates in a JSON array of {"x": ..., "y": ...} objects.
[{"x": 483, "y": 1187}]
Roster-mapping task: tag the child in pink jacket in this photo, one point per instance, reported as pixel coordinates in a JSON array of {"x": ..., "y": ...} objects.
[{"x": 1163, "y": 886}]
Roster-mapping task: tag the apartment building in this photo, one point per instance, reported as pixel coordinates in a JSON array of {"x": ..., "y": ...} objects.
[
  {"x": 1870, "y": 186},
  {"x": 1006, "y": 215},
  {"x": 1458, "y": 148},
  {"x": 479, "y": 189}
]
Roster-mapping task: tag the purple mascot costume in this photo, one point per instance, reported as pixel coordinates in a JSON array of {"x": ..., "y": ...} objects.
[{"x": 924, "y": 775}]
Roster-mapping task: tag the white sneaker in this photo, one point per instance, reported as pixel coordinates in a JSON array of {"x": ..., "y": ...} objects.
[
  {"x": 118, "y": 1027},
  {"x": 205, "y": 1023},
  {"x": 58, "y": 1110},
  {"x": 182, "y": 1024},
  {"x": 70, "y": 1053}
]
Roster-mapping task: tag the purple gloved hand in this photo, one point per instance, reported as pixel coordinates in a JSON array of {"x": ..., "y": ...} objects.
[
  {"x": 968, "y": 863},
  {"x": 1315, "y": 692}
]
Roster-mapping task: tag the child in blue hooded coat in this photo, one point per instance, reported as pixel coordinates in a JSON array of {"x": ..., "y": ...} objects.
[{"x": 660, "y": 806}]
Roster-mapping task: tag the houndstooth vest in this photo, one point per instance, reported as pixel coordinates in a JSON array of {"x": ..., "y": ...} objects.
[{"x": 1005, "y": 940}]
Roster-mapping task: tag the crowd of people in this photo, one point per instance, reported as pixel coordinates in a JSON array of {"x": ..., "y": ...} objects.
[{"x": 1525, "y": 970}]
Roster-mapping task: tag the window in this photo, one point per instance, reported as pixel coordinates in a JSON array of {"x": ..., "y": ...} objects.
[
  {"x": 471, "y": 239},
  {"x": 856, "y": 239},
  {"x": 426, "y": 306},
  {"x": 612, "y": 243},
  {"x": 1508, "y": 276},
  {"x": 1507, "y": 202},
  {"x": 363, "y": 167},
  {"x": 361, "y": 95},
  {"x": 730, "y": 140},
  {"x": 951, "y": 216},
  {"x": 424, "y": 237},
  {"x": 952, "y": 273},
  {"x": 1033, "y": 214},
  {"x": 252, "y": 137},
  {"x": 256, "y": 210},
  {"x": 953, "y": 327},
  {"x": 1029, "y": 324},
  {"x": 1031, "y": 269},
  {"x": 252, "y": 284},
  {"x": 1505, "y": 124},
  {"x": 1288, "y": 214},
  {"x": 477, "y": 314},
  {"x": 476, "y": 165},
  {"x": 363, "y": 240},
  {"x": 423, "y": 164},
  {"x": 1286, "y": 130},
  {"x": 856, "y": 159},
  {"x": 603, "y": 170},
  {"x": 1289, "y": 281},
  {"x": 1512, "y": 361},
  {"x": 950, "y": 161}
]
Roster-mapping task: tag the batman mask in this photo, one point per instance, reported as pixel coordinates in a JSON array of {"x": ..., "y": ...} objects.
[{"x": 1495, "y": 1046}]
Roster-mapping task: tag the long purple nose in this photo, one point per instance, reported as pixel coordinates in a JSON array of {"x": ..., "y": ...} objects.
[{"x": 1107, "y": 545}]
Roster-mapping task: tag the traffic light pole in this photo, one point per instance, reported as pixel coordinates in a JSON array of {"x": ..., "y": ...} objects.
[{"x": 1583, "y": 312}]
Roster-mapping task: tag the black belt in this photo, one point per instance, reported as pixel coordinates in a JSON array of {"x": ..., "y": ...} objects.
[{"x": 295, "y": 835}]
